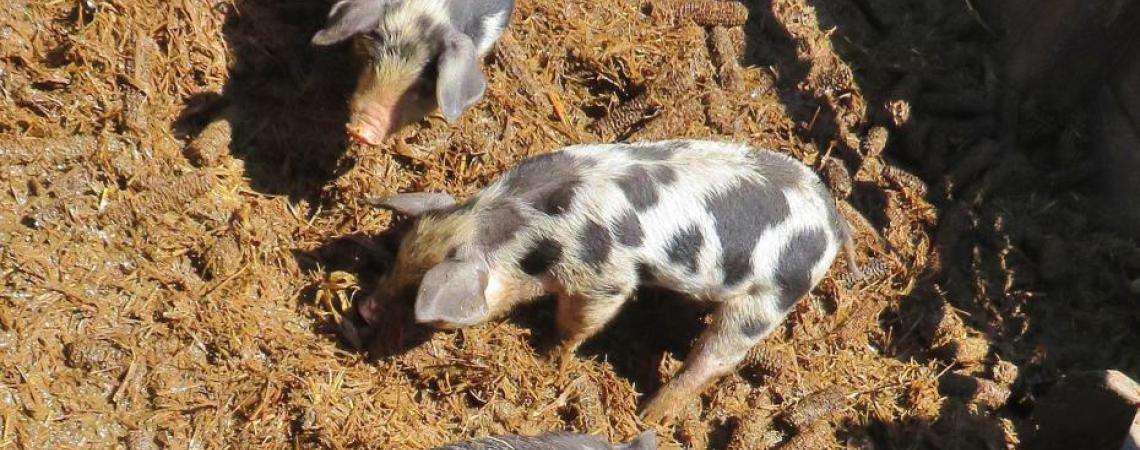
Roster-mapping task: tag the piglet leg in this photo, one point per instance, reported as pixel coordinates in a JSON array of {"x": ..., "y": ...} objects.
[
  {"x": 737, "y": 325},
  {"x": 581, "y": 316}
]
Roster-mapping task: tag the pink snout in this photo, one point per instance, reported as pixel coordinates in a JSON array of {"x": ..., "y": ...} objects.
[
  {"x": 365, "y": 135},
  {"x": 369, "y": 126}
]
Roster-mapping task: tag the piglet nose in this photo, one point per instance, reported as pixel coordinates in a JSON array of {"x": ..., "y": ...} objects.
[
  {"x": 364, "y": 135},
  {"x": 367, "y": 311}
]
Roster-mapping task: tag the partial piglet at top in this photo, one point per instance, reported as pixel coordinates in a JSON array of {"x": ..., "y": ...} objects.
[
  {"x": 417, "y": 55},
  {"x": 749, "y": 229}
]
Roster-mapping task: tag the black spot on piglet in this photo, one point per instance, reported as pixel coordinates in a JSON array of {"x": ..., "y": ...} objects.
[
  {"x": 793, "y": 267},
  {"x": 793, "y": 277},
  {"x": 754, "y": 327},
  {"x": 639, "y": 188},
  {"x": 544, "y": 254},
  {"x": 685, "y": 247},
  {"x": 539, "y": 170},
  {"x": 780, "y": 170},
  {"x": 596, "y": 244},
  {"x": 665, "y": 175},
  {"x": 499, "y": 223},
  {"x": 742, "y": 214},
  {"x": 557, "y": 200},
  {"x": 627, "y": 229},
  {"x": 547, "y": 181}
]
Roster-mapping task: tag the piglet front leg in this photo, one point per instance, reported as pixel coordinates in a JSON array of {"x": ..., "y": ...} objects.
[
  {"x": 580, "y": 317},
  {"x": 587, "y": 302}
]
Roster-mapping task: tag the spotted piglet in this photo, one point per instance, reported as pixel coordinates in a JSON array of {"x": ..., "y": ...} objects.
[
  {"x": 749, "y": 229},
  {"x": 416, "y": 55}
]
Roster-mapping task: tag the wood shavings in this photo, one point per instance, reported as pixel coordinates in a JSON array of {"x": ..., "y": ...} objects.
[
  {"x": 754, "y": 432},
  {"x": 859, "y": 223},
  {"x": 816, "y": 406},
  {"x": 727, "y": 59},
  {"x": 949, "y": 337},
  {"x": 768, "y": 360},
  {"x": 212, "y": 145},
  {"x": 979, "y": 391},
  {"x": 626, "y": 115},
  {"x": 223, "y": 257},
  {"x": 904, "y": 180},
  {"x": 874, "y": 142},
  {"x": 159, "y": 293},
  {"x": 874, "y": 270},
  {"x": 819, "y": 435},
  {"x": 702, "y": 12},
  {"x": 835, "y": 175}
]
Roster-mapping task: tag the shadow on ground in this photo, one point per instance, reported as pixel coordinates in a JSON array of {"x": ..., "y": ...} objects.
[
  {"x": 1027, "y": 262},
  {"x": 1021, "y": 261},
  {"x": 284, "y": 98}
]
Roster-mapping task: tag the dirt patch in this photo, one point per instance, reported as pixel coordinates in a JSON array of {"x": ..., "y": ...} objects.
[{"x": 179, "y": 200}]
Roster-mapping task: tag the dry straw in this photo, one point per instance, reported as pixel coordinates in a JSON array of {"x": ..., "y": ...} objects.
[{"x": 157, "y": 291}]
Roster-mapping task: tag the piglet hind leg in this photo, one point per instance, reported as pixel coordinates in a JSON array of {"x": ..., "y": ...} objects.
[{"x": 738, "y": 325}]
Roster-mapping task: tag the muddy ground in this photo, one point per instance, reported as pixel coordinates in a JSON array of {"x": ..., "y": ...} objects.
[{"x": 178, "y": 200}]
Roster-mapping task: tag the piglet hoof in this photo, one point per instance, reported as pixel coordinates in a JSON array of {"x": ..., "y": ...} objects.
[
  {"x": 563, "y": 363},
  {"x": 561, "y": 357},
  {"x": 659, "y": 411}
]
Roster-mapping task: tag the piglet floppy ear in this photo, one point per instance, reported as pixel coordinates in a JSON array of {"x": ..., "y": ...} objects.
[
  {"x": 413, "y": 204},
  {"x": 451, "y": 294},
  {"x": 461, "y": 82},
  {"x": 350, "y": 17},
  {"x": 645, "y": 441}
]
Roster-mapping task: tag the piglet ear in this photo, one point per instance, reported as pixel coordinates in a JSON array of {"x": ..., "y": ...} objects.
[
  {"x": 350, "y": 17},
  {"x": 461, "y": 82},
  {"x": 413, "y": 204},
  {"x": 451, "y": 294},
  {"x": 645, "y": 441}
]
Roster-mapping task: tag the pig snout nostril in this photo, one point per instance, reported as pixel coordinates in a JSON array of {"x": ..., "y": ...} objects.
[
  {"x": 366, "y": 310},
  {"x": 357, "y": 135}
]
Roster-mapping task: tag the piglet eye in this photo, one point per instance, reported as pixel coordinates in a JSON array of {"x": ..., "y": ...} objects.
[
  {"x": 367, "y": 45},
  {"x": 423, "y": 89},
  {"x": 431, "y": 69}
]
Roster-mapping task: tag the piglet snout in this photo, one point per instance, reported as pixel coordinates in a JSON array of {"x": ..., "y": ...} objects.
[
  {"x": 369, "y": 126},
  {"x": 355, "y": 333},
  {"x": 369, "y": 311},
  {"x": 366, "y": 136}
]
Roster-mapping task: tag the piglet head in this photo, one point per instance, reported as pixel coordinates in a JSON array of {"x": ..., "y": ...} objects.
[
  {"x": 435, "y": 264},
  {"x": 412, "y": 64}
]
